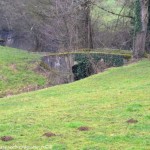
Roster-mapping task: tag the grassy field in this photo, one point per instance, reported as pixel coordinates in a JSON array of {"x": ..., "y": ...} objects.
[
  {"x": 113, "y": 109},
  {"x": 16, "y": 71}
]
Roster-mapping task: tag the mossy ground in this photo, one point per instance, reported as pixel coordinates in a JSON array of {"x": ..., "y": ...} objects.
[{"x": 104, "y": 103}]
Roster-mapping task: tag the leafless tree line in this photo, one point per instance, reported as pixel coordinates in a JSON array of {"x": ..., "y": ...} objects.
[{"x": 66, "y": 25}]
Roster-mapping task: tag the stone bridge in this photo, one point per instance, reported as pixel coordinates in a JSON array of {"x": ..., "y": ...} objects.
[{"x": 68, "y": 67}]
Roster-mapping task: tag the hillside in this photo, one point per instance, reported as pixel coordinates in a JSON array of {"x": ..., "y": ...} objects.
[
  {"x": 105, "y": 111},
  {"x": 17, "y": 71}
]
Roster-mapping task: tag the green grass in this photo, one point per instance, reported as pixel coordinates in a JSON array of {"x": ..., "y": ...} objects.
[
  {"x": 16, "y": 71},
  {"x": 103, "y": 102}
]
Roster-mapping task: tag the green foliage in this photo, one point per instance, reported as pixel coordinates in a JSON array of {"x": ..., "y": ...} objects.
[
  {"x": 138, "y": 23},
  {"x": 84, "y": 67},
  {"x": 112, "y": 60},
  {"x": 81, "y": 70},
  {"x": 149, "y": 18}
]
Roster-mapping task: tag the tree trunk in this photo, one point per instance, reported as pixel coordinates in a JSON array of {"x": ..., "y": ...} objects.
[
  {"x": 85, "y": 28},
  {"x": 140, "y": 45},
  {"x": 140, "y": 39},
  {"x": 90, "y": 34}
]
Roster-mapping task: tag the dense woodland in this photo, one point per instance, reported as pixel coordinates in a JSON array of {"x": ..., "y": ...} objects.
[{"x": 56, "y": 25}]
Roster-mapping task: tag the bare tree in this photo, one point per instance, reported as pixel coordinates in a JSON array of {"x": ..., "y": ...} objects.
[{"x": 55, "y": 25}]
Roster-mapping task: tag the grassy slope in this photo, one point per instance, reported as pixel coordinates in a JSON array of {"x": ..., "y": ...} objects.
[
  {"x": 16, "y": 70},
  {"x": 103, "y": 102}
]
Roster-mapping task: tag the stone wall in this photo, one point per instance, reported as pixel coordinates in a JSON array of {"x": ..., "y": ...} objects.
[{"x": 59, "y": 68}]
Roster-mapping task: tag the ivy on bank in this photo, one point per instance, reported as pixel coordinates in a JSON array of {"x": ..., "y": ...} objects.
[
  {"x": 85, "y": 63},
  {"x": 138, "y": 23}
]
